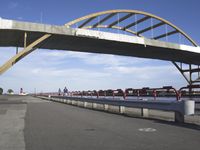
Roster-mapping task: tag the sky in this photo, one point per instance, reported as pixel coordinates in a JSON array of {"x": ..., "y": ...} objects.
[{"x": 46, "y": 71}]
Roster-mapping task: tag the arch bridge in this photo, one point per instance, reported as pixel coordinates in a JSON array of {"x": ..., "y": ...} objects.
[{"x": 119, "y": 32}]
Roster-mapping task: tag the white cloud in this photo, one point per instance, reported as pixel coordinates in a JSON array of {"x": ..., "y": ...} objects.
[
  {"x": 93, "y": 59},
  {"x": 49, "y": 70},
  {"x": 5, "y": 54},
  {"x": 69, "y": 73},
  {"x": 142, "y": 70}
]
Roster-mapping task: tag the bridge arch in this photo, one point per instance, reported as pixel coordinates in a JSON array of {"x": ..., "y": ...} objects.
[
  {"x": 129, "y": 13},
  {"x": 114, "y": 24}
]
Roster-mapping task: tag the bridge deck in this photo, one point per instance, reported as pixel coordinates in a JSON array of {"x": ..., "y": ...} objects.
[{"x": 63, "y": 38}]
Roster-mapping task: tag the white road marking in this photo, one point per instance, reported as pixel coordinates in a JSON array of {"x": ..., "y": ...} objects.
[{"x": 147, "y": 129}]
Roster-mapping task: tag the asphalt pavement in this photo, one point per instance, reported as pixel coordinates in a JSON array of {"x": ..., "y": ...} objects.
[{"x": 44, "y": 125}]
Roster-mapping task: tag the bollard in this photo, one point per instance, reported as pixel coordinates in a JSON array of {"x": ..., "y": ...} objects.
[{"x": 187, "y": 107}]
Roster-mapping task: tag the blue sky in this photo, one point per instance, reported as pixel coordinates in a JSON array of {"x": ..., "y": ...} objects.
[{"x": 48, "y": 70}]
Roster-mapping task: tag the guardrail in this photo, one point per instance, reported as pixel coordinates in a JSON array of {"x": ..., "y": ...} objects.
[
  {"x": 155, "y": 93},
  {"x": 191, "y": 91},
  {"x": 181, "y": 108}
]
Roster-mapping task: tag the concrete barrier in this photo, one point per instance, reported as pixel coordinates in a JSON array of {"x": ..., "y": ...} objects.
[
  {"x": 195, "y": 119},
  {"x": 113, "y": 109},
  {"x": 135, "y": 112},
  {"x": 74, "y": 102},
  {"x": 80, "y": 104},
  {"x": 99, "y": 107},
  {"x": 106, "y": 107},
  {"x": 69, "y": 102},
  {"x": 160, "y": 114},
  {"x": 176, "y": 110},
  {"x": 89, "y": 105}
]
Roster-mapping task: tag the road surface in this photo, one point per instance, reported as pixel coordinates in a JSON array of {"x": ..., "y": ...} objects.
[{"x": 34, "y": 124}]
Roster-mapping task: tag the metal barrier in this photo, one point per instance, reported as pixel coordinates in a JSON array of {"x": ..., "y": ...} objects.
[
  {"x": 180, "y": 108},
  {"x": 182, "y": 91},
  {"x": 144, "y": 92},
  {"x": 154, "y": 92}
]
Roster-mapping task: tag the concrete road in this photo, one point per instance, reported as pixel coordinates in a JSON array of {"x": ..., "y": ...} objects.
[{"x": 50, "y": 126}]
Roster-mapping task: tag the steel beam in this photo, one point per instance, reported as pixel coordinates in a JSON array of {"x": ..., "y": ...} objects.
[
  {"x": 192, "y": 70},
  {"x": 121, "y": 19},
  {"x": 22, "y": 53},
  {"x": 180, "y": 70},
  {"x": 149, "y": 28},
  {"x": 104, "y": 19},
  {"x": 189, "y": 71},
  {"x": 165, "y": 34},
  {"x": 25, "y": 39},
  {"x": 136, "y": 22},
  {"x": 86, "y": 22}
]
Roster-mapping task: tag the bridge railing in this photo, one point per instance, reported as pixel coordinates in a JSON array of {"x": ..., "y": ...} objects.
[
  {"x": 153, "y": 92},
  {"x": 129, "y": 93},
  {"x": 146, "y": 93},
  {"x": 190, "y": 91}
]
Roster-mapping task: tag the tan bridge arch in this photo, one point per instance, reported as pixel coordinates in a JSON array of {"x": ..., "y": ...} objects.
[
  {"x": 85, "y": 23},
  {"x": 111, "y": 13}
]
